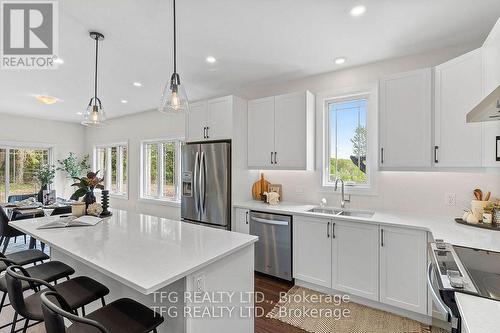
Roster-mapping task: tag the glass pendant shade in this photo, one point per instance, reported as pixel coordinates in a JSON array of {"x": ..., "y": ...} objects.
[
  {"x": 94, "y": 115},
  {"x": 174, "y": 98}
]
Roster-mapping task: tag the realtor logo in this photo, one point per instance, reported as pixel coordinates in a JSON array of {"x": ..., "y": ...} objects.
[{"x": 29, "y": 34}]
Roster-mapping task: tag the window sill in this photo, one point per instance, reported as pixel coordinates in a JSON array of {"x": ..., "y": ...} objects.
[
  {"x": 352, "y": 190},
  {"x": 119, "y": 196},
  {"x": 161, "y": 202}
]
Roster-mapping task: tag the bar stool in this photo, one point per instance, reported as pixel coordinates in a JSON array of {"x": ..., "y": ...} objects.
[
  {"x": 121, "y": 316},
  {"x": 77, "y": 292}
]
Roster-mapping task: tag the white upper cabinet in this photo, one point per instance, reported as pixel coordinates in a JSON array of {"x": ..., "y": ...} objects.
[
  {"x": 491, "y": 60},
  {"x": 312, "y": 250},
  {"x": 210, "y": 120},
  {"x": 261, "y": 132},
  {"x": 406, "y": 119},
  {"x": 458, "y": 88},
  {"x": 403, "y": 264},
  {"x": 281, "y": 132},
  {"x": 355, "y": 265}
]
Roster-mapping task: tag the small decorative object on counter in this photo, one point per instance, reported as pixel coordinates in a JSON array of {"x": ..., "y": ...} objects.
[
  {"x": 496, "y": 214},
  {"x": 488, "y": 213},
  {"x": 322, "y": 203},
  {"x": 272, "y": 198},
  {"x": 105, "y": 203},
  {"x": 78, "y": 208},
  {"x": 278, "y": 188},
  {"x": 94, "y": 209},
  {"x": 86, "y": 186}
]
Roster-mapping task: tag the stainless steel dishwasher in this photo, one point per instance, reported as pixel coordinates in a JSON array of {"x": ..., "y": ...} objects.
[{"x": 273, "y": 251}]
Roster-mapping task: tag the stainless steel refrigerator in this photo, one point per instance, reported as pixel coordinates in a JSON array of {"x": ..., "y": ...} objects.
[{"x": 206, "y": 184}]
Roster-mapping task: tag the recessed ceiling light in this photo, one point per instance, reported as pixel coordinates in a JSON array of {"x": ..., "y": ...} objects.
[
  {"x": 137, "y": 84},
  {"x": 48, "y": 100},
  {"x": 124, "y": 101},
  {"x": 211, "y": 59},
  {"x": 79, "y": 113},
  {"x": 340, "y": 60},
  {"x": 358, "y": 11},
  {"x": 58, "y": 61}
]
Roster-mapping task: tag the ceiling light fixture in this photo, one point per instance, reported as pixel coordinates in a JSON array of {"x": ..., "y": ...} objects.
[
  {"x": 94, "y": 114},
  {"x": 47, "y": 100},
  {"x": 340, "y": 60},
  {"x": 137, "y": 84},
  {"x": 358, "y": 11},
  {"x": 174, "y": 99},
  {"x": 124, "y": 101},
  {"x": 211, "y": 60}
]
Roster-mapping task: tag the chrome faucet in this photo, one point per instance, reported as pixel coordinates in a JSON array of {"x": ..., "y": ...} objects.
[{"x": 343, "y": 200}]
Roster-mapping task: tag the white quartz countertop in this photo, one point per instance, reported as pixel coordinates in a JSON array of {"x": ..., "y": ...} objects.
[
  {"x": 479, "y": 315},
  {"x": 141, "y": 251},
  {"x": 441, "y": 226}
]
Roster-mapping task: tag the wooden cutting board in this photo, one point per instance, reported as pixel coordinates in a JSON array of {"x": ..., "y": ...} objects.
[{"x": 259, "y": 187}]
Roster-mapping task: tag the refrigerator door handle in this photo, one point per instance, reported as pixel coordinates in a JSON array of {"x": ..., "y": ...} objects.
[
  {"x": 195, "y": 189},
  {"x": 201, "y": 176}
]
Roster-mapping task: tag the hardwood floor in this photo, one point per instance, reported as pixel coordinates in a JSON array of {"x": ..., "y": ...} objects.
[{"x": 270, "y": 289}]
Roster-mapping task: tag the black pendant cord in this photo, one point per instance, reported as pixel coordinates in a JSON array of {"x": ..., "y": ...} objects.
[
  {"x": 95, "y": 73},
  {"x": 175, "y": 42}
]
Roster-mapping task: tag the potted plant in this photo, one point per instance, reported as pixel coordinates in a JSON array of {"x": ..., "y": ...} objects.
[
  {"x": 73, "y": 167},
  {"x": 45, "y": 176},
  {"x": 86, "y": 187}
]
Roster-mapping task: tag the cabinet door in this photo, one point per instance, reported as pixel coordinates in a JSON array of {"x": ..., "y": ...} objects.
[
  {"x": 312, "y": 250},
  {"x": 405, "y": 102},
  {"x": 220, "y": 118},
  {"x": 491, "y": 58},
  {"x": 403, "y": 261},
  {"x": 459, "y": 87},
  {"x": 290, "y": 131},
  {"x": 260, "y": 132},
  {"x": 196, "y": 121},
  {"x": 355, "y": 267},
  {"x": 240, "y": 223}
]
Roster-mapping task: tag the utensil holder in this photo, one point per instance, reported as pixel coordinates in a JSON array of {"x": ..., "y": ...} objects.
[{"x": 477, "y": 208}]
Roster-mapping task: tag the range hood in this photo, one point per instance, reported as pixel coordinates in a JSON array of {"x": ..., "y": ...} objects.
[{"x": 487, "y": 110}]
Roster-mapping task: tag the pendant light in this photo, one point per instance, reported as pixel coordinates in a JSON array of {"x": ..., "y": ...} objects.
[
  {"x": 174, "y": 99},
  {"x": 94, "y": 114}
]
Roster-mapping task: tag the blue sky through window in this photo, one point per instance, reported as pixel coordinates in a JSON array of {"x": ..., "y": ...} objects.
[{"x": 344, "y": 118}]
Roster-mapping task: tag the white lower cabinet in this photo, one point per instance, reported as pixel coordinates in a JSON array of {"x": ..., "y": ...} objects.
[
  {"x": 312, "y": 250},
  {"x": 241, "y": 219},
  {"x": 384, "y": 264},
  {"x": 403, "y": 261},
  {"x": 355, "y": 267}
]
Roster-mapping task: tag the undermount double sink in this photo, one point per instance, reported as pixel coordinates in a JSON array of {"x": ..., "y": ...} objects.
[{"x": 341, "y": 212}]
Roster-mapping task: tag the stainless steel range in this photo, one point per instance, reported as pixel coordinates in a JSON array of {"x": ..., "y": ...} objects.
[{"x": 461, "y": 269}]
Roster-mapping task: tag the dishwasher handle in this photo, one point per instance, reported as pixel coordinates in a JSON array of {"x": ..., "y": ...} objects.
[{"x": 266, "y": 221}]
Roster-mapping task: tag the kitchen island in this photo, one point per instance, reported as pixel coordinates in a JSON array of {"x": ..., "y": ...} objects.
[{"x": 200, "y": 279}]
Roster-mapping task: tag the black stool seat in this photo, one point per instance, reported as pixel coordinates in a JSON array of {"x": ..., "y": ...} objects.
[
  {"x": 121, "y": 316},
  {"x": 77, "y": 292},
  {"x": 24, "y": 257},
  {"x": 49, "y": 272}
]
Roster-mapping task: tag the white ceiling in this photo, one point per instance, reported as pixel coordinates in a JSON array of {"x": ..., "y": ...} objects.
[{"x": 254, "y": 41}]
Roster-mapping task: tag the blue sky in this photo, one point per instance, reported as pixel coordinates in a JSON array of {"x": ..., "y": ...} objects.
[{"x": 345, "y": 118}]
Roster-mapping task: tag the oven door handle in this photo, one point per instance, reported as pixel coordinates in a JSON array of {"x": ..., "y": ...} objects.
[
  {"x": 266, "y": 221},
  {"x": 435, "y": 294}
]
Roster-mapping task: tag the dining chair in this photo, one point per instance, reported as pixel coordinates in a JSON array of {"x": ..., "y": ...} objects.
[
  {"x": 50, "y": 271},
  {"x": 121, "y": 316},
  {"x": 77, "y": 292}
]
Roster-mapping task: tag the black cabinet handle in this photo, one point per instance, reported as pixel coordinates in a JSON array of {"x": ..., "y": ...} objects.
[
  {"x": 272, "y": 158},
  {"x": 328, "y": 230},
  {"x": 246, "y": 218},
  {"x": 208, "y": 132},
  {"x": 381, "y": 155},
  {"x": 382, "y": 237},
  {"x": 204, "y": 132},
  {"x": 333, "y": 230},
  {"x": 275, "y": 158},
  {"x": 435, "y": 154}
]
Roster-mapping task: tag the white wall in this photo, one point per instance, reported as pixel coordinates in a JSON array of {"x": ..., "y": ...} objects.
[
  {"x": 402, "y": 191},
  {"x": 62, "y": 136},
  {"x": 133, "y": 129}
]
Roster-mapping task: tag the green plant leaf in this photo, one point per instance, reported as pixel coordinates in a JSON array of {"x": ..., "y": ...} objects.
[{"x": 81, "y": 192}]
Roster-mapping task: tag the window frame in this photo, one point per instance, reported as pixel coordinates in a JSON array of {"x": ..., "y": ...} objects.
[
  {"x": 7, "y": 145},
  {"x": 370, "y": 93},
  {"x": 175, "y": 201},
  {"x": 119, "y": 167}
]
